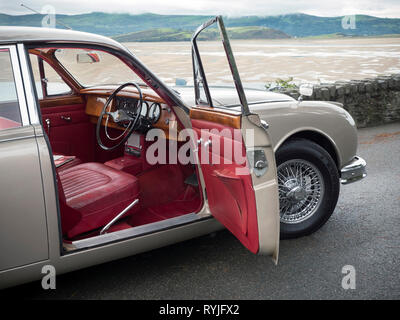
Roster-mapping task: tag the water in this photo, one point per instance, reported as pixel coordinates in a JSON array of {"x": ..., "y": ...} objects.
[{"x": 262, "y": 61}]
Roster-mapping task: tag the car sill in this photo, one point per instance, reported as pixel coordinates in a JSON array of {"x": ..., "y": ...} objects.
[{"x": 134, "y": 232}]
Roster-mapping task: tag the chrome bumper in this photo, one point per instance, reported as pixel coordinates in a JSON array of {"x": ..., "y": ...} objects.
[{"x": 354, "y": 171}]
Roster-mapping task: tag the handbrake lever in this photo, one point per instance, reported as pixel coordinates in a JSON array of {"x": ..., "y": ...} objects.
[{"x": 119, "y": 215}]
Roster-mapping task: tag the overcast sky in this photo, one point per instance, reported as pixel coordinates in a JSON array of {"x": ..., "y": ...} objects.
[{"x": 380, "y": 8}]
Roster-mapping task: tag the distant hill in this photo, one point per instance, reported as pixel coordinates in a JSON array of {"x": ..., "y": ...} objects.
[
  {"x": 170, "y": 34},
  {"x": 295, "y": 25}
]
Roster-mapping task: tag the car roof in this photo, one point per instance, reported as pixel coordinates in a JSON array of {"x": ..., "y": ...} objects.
[{"x": 11, "y": 34}]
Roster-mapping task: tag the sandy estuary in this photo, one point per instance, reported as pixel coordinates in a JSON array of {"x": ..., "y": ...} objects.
[{"x": 261, "y": 61}]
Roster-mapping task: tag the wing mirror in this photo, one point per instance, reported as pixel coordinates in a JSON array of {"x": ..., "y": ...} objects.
[
  {"x": 87, "y": 57},
  {"x": 305, "y": 90}
]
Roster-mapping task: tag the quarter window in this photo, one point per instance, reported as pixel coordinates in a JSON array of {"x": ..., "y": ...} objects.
[
  {"x": 47, "y": 80},
  {"x": 10, "y": 116}
]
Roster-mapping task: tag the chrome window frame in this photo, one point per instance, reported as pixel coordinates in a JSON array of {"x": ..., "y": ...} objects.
[
  {"x": 200, "y": 76},
  {"x": 30, "y": 94},
  {"x": 19, "y": 85}
]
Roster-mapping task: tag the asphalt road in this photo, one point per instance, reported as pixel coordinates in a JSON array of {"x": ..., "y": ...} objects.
[{"x": 364, "y": 232}]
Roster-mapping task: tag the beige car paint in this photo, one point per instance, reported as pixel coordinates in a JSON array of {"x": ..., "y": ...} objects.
[
  {"x": 335, "y": 123},
  {"x": 265, "y": 188},
  {"x": 22, "y": 200},
  {"x": 37, "y": 185}
]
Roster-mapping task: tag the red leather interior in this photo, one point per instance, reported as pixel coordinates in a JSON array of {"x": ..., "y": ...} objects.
[
  {"x": 128, "y": 163},
  {"x": 98, "y": 193},
  {"x": 229, "y": 184},
  {"x": 75, "y": 136},
  {"x": 101, "y": 155},
  {"x": 161, "y": 185},
  {"x": 164, "y": 195},
  {"x": 69, "y": 164},
  {"x": 7, "y": 123},
  {"x": 187, "y": 202},
  {"x": 69, "y": 216}
]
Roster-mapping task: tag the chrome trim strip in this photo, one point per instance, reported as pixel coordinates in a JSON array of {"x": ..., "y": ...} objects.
[
  {"x": 354, "y": 171},
  {"x": 18, "y": 84},
  {"x": 136, "y": 231},
  {"x": 255, "y": 102},
  {"x": 30, "y": 94},
  {"x": 17, "y": 138}
]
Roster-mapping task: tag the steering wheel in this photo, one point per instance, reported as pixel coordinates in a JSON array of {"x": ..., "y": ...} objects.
[{"x": 118, "y": 116}]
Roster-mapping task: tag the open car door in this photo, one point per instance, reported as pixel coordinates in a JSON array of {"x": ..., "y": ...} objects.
[{"x": 236, "y": 159}]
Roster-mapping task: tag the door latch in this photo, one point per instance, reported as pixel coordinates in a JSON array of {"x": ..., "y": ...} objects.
[{"x": 258, "y": 162}]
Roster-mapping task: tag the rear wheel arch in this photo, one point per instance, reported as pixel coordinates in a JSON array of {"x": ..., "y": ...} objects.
[{"x": 318, "y": 138}]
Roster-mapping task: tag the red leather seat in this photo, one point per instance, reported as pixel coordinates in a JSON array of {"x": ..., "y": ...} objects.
[{"x": 92, "y": 194}]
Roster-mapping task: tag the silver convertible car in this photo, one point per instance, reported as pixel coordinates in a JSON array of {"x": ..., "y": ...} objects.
[{"x": 100, "y": 159}]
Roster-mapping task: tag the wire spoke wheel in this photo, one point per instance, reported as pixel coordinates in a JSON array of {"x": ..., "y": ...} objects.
[{"x": 301, "y": 189}]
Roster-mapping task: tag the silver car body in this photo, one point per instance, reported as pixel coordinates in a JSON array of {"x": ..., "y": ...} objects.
[{"x": 29, "y": 168}]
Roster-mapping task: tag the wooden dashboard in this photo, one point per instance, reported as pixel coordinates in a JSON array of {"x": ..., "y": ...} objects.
[{"x": 97, "y": 97}]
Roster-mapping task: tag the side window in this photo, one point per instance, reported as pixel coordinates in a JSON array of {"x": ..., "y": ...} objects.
[
  {"x": 47, "y": 80},
  {"x": 10, "y": 116}
]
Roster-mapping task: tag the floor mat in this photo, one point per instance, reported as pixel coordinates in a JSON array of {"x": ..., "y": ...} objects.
[{"x": 161, "y": 185}]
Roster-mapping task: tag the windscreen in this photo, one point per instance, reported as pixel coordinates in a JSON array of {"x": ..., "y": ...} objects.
[{"x": 95, "y": 67}]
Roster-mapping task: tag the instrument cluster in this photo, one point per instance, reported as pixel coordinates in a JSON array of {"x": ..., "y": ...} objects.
[{"x": 149, "y": 114}]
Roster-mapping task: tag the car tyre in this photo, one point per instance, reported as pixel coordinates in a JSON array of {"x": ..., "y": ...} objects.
[{"x": 309, "y": 187}]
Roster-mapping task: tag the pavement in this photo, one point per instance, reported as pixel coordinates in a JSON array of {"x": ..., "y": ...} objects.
[{"x": 364, "y": 232}]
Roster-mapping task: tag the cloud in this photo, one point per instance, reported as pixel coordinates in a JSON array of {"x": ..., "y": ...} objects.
[{"x": 381, "y": 8}]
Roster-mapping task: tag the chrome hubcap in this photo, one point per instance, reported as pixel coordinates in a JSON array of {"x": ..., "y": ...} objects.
[{"x": 301, "y": 190}]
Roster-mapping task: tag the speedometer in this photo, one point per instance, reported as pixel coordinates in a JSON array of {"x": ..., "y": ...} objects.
[
  {"x": 154, "y": 112},
  {"x": 145, "y": 109}
]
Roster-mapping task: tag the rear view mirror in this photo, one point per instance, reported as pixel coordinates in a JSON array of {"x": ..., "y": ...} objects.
[
  {"x": 87, "y": 57},
  {"x": 306, "y": 90}
]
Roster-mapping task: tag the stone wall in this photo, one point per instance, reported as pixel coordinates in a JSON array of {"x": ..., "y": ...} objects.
[{"x": 371, "y": 101}]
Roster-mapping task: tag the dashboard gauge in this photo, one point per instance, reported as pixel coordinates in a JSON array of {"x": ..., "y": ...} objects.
[
  {"x": 154, "y": 112},
  {"x": 145, "y": 109}
]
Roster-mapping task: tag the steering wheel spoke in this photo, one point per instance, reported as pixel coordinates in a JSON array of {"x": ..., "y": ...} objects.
[{"x": 118, "y": 116}]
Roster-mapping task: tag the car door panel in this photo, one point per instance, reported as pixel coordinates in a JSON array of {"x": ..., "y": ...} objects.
[
  {"x": 242, "y": 195},
  {"x": 69, "y": 130},
  {"x": 222, "y": 181},
  {"x": 20, "y": 189}
]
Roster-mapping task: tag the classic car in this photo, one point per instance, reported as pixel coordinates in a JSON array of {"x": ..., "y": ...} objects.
[{"x": 77, "y": 187}]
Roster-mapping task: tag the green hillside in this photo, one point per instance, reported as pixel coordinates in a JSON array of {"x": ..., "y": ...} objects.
[
  {"x": 169, "y": 34},
  {"x": 296, "y": 25}
]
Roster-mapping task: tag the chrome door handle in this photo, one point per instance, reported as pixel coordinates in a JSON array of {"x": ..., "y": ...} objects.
[{"x": 68, "y": 119}]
